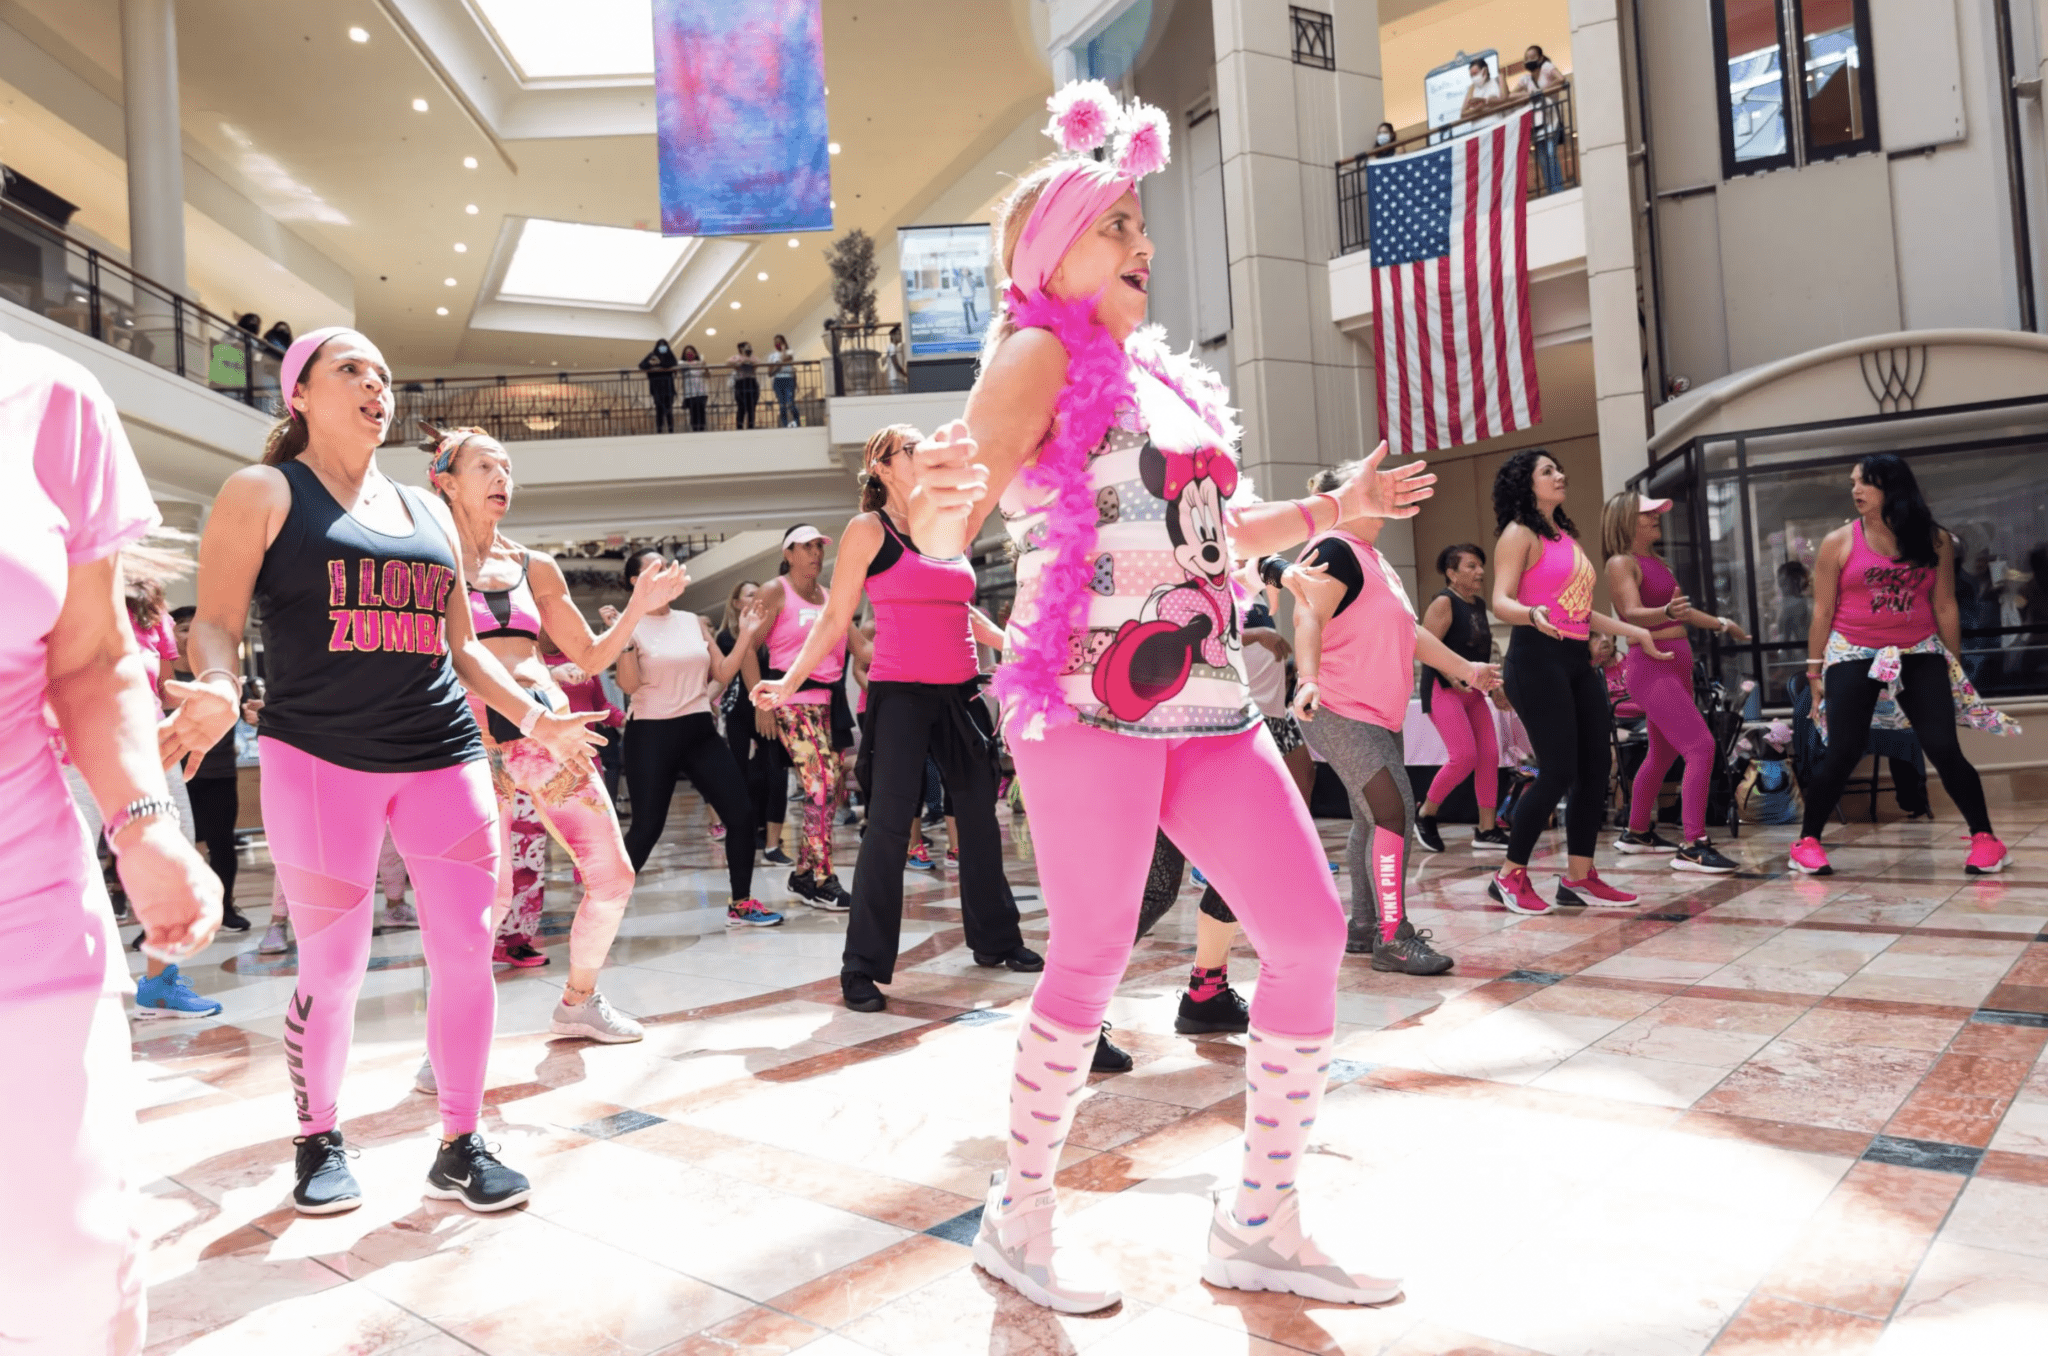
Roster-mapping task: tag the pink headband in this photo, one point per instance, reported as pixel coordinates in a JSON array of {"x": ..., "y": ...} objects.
[
  {"x": 299, "y": 354},
  {"x": 1084, "y": 116}
]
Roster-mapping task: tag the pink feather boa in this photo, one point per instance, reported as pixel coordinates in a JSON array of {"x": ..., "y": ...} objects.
[{"x": 1097, "y": 393}]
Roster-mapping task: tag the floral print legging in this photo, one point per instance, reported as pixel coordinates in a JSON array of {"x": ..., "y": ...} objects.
[
  {"x": 806, "y": 732},
  {"x": 529, "y": 865}
]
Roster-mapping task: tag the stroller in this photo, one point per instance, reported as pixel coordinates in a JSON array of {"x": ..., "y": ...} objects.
[{"x": 1722, "y": 711}]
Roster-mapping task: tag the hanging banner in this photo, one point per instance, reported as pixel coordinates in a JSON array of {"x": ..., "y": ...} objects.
[
  {"x": 739, "y": 93},
  {"x": 946, "y": 288}
]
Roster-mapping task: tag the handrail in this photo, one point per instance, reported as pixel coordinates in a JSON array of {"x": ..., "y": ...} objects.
[
  {"x": 610, "y": 403},
  {"x": 135, "y": 313},
  {"x": 1553, "y": 164}
]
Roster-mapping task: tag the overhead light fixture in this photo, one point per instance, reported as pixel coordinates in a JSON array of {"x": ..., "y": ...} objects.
[
  {"x": 578, "y": 263},
  {"x": 760, "y": 277},
  {"x": 359, "y": 35},
  {"x": 419, "y": 105},
  {"x": 461, "y": 248},
  {"x": 447, "y": 282},
  {"x": 794, "y": 242},
  {"x": 735, "y": 305},
  {"x": 469, "y": 162},
  {"x": 710, "y": 331},
  {"x": 611, "y": 38},
  {"x": 832, "y": 147},
  {"x": 471, "y": 209},
  {"x": 440, "y": 310}
]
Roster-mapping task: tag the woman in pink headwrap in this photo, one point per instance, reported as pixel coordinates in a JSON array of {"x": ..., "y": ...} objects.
[{"x": 1126, "y": 697}]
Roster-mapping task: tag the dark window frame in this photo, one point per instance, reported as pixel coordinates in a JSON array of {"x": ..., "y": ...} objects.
[
  {"x": 1315, "y": 38},
  {"x": 1799, "y": 149}
]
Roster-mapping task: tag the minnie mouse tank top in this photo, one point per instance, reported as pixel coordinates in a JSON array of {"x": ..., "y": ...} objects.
[{"x": 1161, "y": 655}]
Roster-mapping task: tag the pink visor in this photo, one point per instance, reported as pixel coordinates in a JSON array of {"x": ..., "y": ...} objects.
[
  {"x": 300, "y": 353},
  {"x": 1645, "y": 504}
]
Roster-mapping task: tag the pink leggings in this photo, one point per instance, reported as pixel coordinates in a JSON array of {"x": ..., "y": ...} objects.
[
  {"x": 1465, "y": 722},
  {"x": 1663, "y": 688},
  {"x": 325, "y": 824},
  {"x": 1096, "y": 802},
  {"x": 573, "y": 805}
]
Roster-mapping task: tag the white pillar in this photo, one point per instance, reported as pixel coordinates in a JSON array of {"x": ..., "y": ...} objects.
[
  {"x": 156, "y": 154},
  {"x": 1611, "y": 281}
]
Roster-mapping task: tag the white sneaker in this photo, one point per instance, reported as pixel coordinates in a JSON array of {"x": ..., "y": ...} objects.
[
  {"x": 594, "y": 1020},
  {"x": 277, "y": 939},
  {"x": 1279, "y": 1255},
  {"x": 424, "y": 1080},
  {"x": 399, "y": 914},
  {"x": 1017, "y": 1246}
]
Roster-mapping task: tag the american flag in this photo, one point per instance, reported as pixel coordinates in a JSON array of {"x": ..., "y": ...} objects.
[{"x": 1450, "y": 279}]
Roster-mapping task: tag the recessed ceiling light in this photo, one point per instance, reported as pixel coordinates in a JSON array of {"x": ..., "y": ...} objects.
[
  {"x": 461, "y": 248},
  {"x": 447, "y": 282},
  {"x": 710, "y": 330},
  {"x": 834, "y": 204},
  {"x": 471, "y": 209},
  {"x": 440, "y": 310},
  {"x": 469, "y": 162},
  {"x": 794, "y": 242},
  {"x": 563, "y": 261},
  {"x": 419, "y": 105},
  {"x": 613, "y": 38},
  {"x": 735, "y": 305},
  {"x": 760, "y": 277},
  {"x": 359, "y": 35},
  {"x": 832, "y": 147}
]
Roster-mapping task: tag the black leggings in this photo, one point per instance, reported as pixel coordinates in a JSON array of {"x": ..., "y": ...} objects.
[
  {"x": 1562, "y": 701},
  {"x": 216, "y": 802},
  {"x": 1925, "y": 698},
  {"x": 1162, "y": 888},
  {"x": 907, "y": 722},
  {"x": 658, "y": 753}
]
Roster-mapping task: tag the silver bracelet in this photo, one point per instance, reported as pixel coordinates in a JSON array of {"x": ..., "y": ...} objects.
[{"x": 143, "y": 807}]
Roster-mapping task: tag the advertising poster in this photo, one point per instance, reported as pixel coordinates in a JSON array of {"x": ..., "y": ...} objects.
[
  {"x": 947, "y": 289},
  {"x": 739, "y": 95}
]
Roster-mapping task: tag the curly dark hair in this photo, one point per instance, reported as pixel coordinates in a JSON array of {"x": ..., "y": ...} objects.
[{"x": 1514, "y": 497}]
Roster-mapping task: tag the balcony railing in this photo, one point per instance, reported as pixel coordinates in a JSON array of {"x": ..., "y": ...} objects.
[
  {"x": 44, "y": 270},
  {"x": 619, "y": 403},
  {"x": 1552, "y": 167}
]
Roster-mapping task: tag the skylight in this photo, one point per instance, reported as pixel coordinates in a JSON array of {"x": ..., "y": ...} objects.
[
  {"x": 605, "y": 37},
  {"x": 566, "y": 261}
]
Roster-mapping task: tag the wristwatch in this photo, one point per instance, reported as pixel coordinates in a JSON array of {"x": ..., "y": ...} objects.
[{"x": 144, "y": 807}]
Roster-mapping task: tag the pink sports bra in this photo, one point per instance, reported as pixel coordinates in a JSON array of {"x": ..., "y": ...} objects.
[
  {"x": 1561, "y": 580},
  {"x": 506, "y": 612}
]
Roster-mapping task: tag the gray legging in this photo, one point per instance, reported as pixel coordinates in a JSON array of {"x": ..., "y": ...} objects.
[{"x": 1368, "y": 759}]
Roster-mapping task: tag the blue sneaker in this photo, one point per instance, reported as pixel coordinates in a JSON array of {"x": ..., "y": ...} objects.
[
  {"x": 169, "y": 995},
  {"x": 1200, "y": 879}
]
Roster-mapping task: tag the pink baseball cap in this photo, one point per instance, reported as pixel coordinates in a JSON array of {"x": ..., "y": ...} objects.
[
  {"x": 300, "y": 353},
  {"x": 1645, "y": 504}
]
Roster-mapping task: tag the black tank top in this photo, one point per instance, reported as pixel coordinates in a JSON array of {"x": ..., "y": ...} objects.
[
  {"x": 355, "y": 645},
  {"x": 1469, "y": 638}
]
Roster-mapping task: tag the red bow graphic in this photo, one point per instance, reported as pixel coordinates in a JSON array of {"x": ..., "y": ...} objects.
[{"x": 1211, "y": 463}]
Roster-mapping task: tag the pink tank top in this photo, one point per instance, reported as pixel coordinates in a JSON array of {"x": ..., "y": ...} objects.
[
  {"x": 1883, "y": 601},
  {"x": 1368, "y": 664},
  {"x": 786, "y": 641},
  {"x": 922, "y": 630},
  {"x": 1561, "y": 580}
]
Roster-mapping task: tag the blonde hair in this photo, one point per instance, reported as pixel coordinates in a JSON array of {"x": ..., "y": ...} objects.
[
  {"x": 1330, "y": 478},
  {"x": 1618, "y": 524},
  {"x": 731, "y": 620}
]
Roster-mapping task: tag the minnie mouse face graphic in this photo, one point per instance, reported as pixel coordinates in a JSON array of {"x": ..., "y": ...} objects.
[{"x": 1150, "y": 658}]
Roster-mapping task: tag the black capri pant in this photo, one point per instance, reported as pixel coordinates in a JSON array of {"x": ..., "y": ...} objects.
[
  {"x": 661, "y": 752},
  {"x": 1563, "y": 704}
]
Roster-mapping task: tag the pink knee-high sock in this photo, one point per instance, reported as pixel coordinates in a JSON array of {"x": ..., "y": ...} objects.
[
  {"x": 1284, "y": 1078},
  {"x": 1387, "y": 853},
  {"x": 1046, "y": 1084}
]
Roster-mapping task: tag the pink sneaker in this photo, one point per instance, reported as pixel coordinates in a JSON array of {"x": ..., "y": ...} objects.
[
  {"x": 1987, "y": 855},
  {"x": 1593, "y": 891},
  {"x": 1516, "y": 891},
  {"x": 1809, "y": 857},
  {"x": 718, "y": 833}
]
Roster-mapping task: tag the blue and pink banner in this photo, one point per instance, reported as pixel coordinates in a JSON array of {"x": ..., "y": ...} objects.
[{"x": 739, "y": 89}]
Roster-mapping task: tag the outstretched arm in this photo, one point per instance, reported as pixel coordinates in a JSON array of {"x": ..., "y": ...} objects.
[{"x": 652, "y": 589}]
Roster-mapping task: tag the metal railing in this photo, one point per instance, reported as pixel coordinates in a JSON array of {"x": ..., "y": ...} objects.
[
  {"x": 44, "y": 270},
  {"x": 859, "y": 360},
  {"x": 618, "y": 403},
  {"x": 1552, "y": 166}
]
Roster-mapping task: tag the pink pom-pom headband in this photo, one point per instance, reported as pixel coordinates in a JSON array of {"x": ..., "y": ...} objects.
[{"x": 1085, "y": 115}]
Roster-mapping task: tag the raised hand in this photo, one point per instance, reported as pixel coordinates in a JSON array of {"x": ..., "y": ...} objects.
[
  {"x": 608, "y": 614},
  {"x": 950, "y": 482},
  {"x": 1377, "y": 493},
  {"x": 660, "y": 586}
]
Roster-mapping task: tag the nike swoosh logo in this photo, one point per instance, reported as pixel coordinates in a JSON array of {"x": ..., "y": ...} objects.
[{"x": 459, "y": 1181}]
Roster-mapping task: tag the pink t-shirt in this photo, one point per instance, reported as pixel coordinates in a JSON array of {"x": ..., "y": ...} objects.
[
  {"x": 1368, "y": 664},
  {"x": 70, "y": 492}
]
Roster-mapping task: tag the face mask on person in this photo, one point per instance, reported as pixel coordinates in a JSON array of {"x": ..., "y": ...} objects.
[{"x": 1383, "y": 138}]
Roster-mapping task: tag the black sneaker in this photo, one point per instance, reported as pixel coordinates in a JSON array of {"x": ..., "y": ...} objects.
[
  {"x": 828, "y": 894},
  {"x": 1426, "y": 834},
  {"x": 231, "y": 918},
  {"x": 1494, "y": 839},
  {"x": 466, "y": 1170},
  {"x": 1410, "y": 954},
  {"x": 325, "y": 1186},
  {"x": 1108, "y": 1058},
  {"x": 775, "y": 856},
  {"x": 1646, "y": 841},
  {"x": 1700, "y": 856},
  {"x": 804, "y": 886},
  {"x": 1223, "y": 1010},
  {"x": 1023, "y": 960},
  {"x": 859, "y": 993}
]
